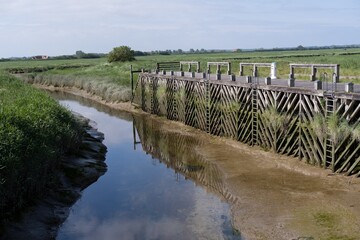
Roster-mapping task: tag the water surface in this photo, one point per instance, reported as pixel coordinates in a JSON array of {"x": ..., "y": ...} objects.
[{"x": 155, "y": 187}]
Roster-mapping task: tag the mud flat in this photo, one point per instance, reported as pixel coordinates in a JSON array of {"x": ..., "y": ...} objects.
[{"x": 274, "y": 196}]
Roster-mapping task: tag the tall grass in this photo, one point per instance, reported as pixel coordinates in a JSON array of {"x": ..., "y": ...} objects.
[
  {"x": 334, "y": 127},
  {"x": 276, "y": 120},
  {"x": 34, "y": 132},
  {"x": 319, "y": 126},
  {"x": 103, "y": 87},
  {"x": 338, "y": 129}
]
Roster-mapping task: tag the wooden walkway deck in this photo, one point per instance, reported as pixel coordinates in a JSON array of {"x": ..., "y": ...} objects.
[{"x": 307, "y": 85}]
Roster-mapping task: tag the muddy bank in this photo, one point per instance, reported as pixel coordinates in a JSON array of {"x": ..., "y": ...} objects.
[
  {"x": 75, "y": 173},
  {"x": 275, "y": 197}
]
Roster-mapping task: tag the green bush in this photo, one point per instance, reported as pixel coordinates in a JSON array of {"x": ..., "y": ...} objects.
[
  {"x": 34, "y": 132},
  {"x": 121, "y": 54}
]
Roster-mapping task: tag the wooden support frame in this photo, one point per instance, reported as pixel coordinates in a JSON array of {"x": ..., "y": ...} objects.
[
  {"x": 254, "y": 66},
  {"x": 227, "y": 109},
  {"x": 167, "y": 66},
  {"x": 218, "y": 67},
  {"x": 314, "y": 68},
  {"x": 132, "y": 80},
  {"x": 190, "y": 64}
]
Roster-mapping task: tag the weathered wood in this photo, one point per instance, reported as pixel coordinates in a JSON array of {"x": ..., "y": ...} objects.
[{"x": 236, "y": 111}]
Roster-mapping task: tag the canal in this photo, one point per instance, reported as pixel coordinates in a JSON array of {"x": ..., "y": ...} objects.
[{"x": 156, "y": 185}]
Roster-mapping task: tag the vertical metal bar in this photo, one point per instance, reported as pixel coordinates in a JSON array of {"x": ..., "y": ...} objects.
[
  {"x": 132, "y": 81},
  {"x": 134, "y": 133}
]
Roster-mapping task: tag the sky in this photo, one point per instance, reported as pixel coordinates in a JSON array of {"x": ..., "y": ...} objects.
[{"x": 60, "y": 27}]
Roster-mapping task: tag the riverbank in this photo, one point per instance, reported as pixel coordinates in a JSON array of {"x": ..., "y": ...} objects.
[
  {"x": 276, "y": 197},
  {"x": 35, "y": 132},
  {"x": 75, "y": 173}
]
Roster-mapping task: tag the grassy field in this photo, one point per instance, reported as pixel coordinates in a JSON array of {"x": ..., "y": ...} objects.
[
  {"x": 34, "y": 132},
  {"x": 112, "y": 81}
]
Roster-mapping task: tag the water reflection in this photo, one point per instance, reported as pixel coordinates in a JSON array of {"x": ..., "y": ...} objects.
[
  {"x": 179, "y": 152},
  {"x": 146, "y": 194}
]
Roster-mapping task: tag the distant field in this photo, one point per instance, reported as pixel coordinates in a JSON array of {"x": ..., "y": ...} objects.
[{"x": 349, "y": 60}]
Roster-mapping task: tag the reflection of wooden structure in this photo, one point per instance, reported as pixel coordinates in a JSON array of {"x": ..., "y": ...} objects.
[
  {"x": 272, "y": 116},
  {"x": 175, "y": 152}
]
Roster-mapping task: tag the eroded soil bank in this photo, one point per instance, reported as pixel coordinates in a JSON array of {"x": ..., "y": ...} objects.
[
  {"x": 75, "y": 173},
  {"x": 273, "y": 196}
]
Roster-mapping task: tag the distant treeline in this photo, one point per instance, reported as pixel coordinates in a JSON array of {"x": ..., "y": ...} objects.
[{"x": 82, "y": 55}]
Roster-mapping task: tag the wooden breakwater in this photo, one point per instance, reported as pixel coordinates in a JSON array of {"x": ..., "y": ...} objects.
[{"x": 317, "y": 126}]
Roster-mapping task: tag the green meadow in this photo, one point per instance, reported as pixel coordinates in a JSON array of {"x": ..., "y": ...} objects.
[{"x": 111, "y": 81}]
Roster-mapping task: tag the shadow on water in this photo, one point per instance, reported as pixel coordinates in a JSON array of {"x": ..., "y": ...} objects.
[{"x": 148, "y": 191}]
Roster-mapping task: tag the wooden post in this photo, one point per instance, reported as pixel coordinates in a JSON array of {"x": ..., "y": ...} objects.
[
  {"x": 241, "y": 70},
  {"x": 248, "y": 79},
  {"x": 268, "y": 81},
  {"x": 255, "y": 71},
  {"x": 291, "y": 82},
  {"x": 337, "y": 73},
  {"x": 291, "y": 75},
  {"x": 301, "y": 118},
  {"x": 229, "y": 69},
  {"x": 143, "y": 99},
  {"x": 313, "y": 73},
  {"x": 317, "y": 85},
  {"x": 218, "y": 69},
  {"x": 132, "y": 81},
  {"x": 349, "y": 87}
]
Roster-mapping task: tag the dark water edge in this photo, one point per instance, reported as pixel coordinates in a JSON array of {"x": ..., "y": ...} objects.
[
  {"x": 75, "y": 173},
  {"x": 156, "y": 186}
]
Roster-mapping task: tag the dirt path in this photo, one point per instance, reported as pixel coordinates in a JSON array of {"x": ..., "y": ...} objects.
[{"x": 277, "y": 197}]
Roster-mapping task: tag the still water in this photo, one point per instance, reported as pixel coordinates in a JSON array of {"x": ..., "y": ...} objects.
[{"x": 156, "y": 186}]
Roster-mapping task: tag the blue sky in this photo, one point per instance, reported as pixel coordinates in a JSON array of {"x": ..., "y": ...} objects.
[{"x": 62, "y": 27}]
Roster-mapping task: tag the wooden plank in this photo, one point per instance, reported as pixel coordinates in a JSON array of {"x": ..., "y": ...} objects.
[
  {"x": 354, "y": 165},
  {"x": 347, "y": 161}
]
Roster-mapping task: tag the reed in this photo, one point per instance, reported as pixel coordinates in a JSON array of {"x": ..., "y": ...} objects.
[
  {"x": 34, "y": 132},
  {"x": 337, "y": 129},
  {"x": 103, "y": 87},
  {"x": 274, "y": 119}
]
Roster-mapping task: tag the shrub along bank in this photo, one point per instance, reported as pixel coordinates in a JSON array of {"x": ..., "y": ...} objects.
[{"x": 35, "y": 131}]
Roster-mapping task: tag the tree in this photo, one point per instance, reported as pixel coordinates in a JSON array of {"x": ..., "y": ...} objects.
[
  {"x": 121, "y": 54},
  {"x": 80, "y": 54},
  {"x": 300, "y": 47}
]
